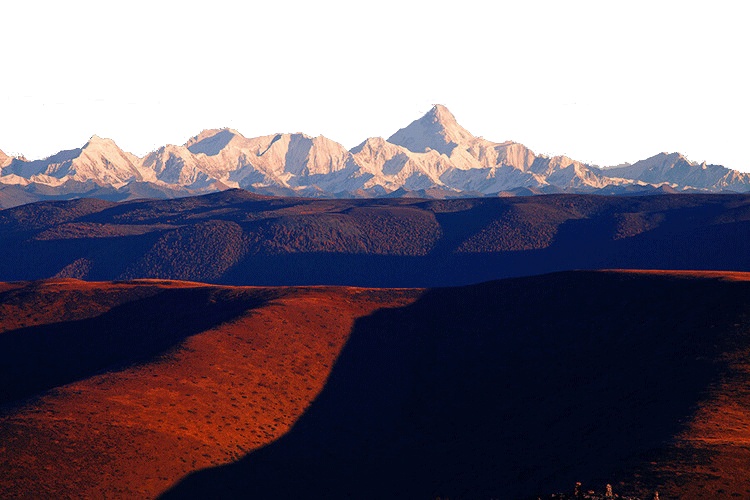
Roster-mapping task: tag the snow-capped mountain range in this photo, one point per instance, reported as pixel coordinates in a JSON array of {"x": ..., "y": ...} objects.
[{"x": 434, "y": 156}]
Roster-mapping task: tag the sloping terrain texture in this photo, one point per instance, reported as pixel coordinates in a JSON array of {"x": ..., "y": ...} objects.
[
  {"x": 515, "y": 388},
  {"x": 117, "y": 390},
  {"x": 235, "y": 237}
]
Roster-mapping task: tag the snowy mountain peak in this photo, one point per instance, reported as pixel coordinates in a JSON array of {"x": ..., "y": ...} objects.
[
  {"x": 372, "y": 143},
  {"x": 211, "y": 142},
  {"x": 437, "y": 129},
  {"x": 100, "y": 143},
  {"x": 676, "y": 170},
  {"x": 433, "y": 152},
  {"x": 441, "y": 114},
  {"x": 665, "y": 160},
  {"x": 670, "y": 157},
  {"x": 95, "y": 140}
]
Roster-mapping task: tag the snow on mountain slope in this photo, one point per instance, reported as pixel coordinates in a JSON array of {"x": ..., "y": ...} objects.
[
  {"x": 99, "y": 160},
  {"x": 177, "y": 165},
  {"x": 676, "y": 170},
  {"x": 4, "y": 159},
  {"x": 211, "y": 142},
  {"x": 392, "y": 166},
  {"x": 224, "y": 155},
  {"x": 476, "y": 164},
  {"x": 438, "y": 130},
  {"x": 433, "y": 154}
]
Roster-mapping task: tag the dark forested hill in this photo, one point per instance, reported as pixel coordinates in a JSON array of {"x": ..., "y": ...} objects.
[{"x": 235, "y": 237}]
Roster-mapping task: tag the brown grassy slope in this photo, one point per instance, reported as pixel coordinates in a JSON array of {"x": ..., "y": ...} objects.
[
  {"x": 519, "y": 387},
  {"x": 710, "y": 457},
  {"x": 131, "y": 432}
]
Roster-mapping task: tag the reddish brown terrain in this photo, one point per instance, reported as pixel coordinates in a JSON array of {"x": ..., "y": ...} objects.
[
  {"x": 509, "y": 389},
  {"x": 515, "y": 388},
  {"x": 82, "y": 421},
  {"x": 710, "y": 456}
]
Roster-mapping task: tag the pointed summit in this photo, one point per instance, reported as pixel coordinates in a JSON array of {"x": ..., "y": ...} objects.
[
  {"x": 100, "y": 143},
  {"x": 94, "y": 139},
  {"x": 438, "y": 130},
  {"x": 441, "y": 114}
]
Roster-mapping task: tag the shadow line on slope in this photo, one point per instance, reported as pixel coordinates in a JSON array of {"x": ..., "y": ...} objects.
[
  {"x": 38, "y": 358},
  {"x": 500, "y": 390}
]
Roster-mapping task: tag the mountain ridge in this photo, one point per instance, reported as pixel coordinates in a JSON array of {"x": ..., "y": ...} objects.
[{"x": 434, "y": 154}]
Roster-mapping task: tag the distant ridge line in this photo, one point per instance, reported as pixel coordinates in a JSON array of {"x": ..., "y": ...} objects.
[{"x": 432, "y": 157}]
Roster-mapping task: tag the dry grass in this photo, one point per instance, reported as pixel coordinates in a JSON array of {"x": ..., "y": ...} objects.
[{"x": 222, "y": 393}]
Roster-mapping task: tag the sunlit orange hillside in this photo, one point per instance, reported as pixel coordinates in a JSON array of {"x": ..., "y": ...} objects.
[
  {"x": 508, "y": 389},
  {"x": 519, "y": 388},
  {"x": 117, "y": 390}
]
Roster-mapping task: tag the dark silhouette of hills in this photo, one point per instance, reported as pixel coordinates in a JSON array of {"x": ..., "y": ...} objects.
[
  {"x": 235, "y": 237},
  {"x": 514, "y": 388}
]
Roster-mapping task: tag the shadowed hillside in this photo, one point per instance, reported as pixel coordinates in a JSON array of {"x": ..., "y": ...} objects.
[
  {"x": 520, "y": 387},
  {"x": 117, "y": 390},
  {"x": 235, "y": 237},
  {"x": 151, "y": 320}
]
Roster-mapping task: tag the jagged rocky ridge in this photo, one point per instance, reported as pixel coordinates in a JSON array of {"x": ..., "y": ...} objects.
[{"x": 432, "y": 157}]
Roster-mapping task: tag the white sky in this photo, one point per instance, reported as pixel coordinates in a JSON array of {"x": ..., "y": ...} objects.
[{"x": 602, "y": 82}]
